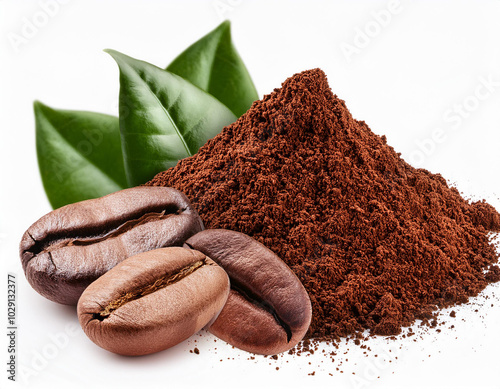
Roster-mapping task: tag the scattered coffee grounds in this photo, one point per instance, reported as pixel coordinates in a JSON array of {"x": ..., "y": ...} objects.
[{"x": 376, "y": 242}]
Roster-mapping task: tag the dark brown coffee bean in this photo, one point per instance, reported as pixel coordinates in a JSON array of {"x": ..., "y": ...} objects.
[
  {"x": 268, "y": 310},
  {"x": 67, "y": 249},
  {"x": 153, "y": 301}
]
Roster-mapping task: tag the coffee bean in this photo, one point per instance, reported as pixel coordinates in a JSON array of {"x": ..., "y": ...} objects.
[
  {"x": 153, "y": 300},
  {"x": 67, "y": 249},
  {"x": 268, "y": 310}
]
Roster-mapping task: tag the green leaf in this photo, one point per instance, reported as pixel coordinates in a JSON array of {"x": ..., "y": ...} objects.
[
  {"x": 163, "y": 118},
  {"x": 79, "y": 154},
  {"x": 213, "y": 64}
]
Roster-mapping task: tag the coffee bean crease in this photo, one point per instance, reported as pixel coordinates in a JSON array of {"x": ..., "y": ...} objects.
[
  {"x": 160, "y": 283},
  {"x": 57, "y": 242},
  {"x": 252, "y": 298},
  {"x": 67, "y": 249}
]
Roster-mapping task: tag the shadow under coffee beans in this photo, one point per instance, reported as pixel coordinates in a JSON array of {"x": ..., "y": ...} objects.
[{"x": 376, "y": 242}]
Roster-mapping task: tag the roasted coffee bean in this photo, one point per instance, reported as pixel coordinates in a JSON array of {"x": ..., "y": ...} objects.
[
  {"x": 67, "y": 249},
  {"x": 153, "y": 300},
  {"x": 268, "y": 310}
]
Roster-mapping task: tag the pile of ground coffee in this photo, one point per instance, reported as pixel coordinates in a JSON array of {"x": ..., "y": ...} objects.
[{"x": 376, "y": 242}]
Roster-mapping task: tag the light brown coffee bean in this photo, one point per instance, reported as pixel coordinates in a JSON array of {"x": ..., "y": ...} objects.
[
  {"x": 153, "y": 301},
  {"x": 268, "y": 310},
  {"x": 67, "y": 249}
]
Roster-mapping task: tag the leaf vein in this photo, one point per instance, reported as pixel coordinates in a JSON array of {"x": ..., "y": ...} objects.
[
  {"x": 75, "y": 149},
  {"x": 168, "y": 116}
]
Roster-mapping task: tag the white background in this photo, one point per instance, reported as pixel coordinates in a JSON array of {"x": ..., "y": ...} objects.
[{"x": 405, "y": 80}]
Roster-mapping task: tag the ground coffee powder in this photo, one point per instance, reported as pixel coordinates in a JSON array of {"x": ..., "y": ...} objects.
[{"x": 376, "y": 242}]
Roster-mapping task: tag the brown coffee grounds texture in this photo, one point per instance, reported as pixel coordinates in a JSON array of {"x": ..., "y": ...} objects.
[{"x": 376, "y": 242}]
